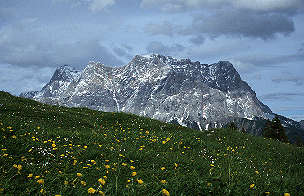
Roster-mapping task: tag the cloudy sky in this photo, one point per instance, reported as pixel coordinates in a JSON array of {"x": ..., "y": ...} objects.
[{"x": 262, "y": 38}]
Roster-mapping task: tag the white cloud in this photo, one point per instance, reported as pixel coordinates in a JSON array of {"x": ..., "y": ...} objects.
[
  {"x": 165, "y": 28},
  {"x": 179, "y": 5},
  {"x": 99, "y": 5},
  {"x": 92, "y": 5}
]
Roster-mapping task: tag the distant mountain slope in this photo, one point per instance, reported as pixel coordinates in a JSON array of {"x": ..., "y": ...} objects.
[
  {"x": 174, "y": 90},
  {"x": 302, "y": 124}
]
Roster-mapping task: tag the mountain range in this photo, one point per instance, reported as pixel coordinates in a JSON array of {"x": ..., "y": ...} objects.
[{"x": 200, "y": 96}]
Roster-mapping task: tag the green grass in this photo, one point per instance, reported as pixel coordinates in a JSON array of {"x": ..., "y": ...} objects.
[{"x": 55, "y": 143}]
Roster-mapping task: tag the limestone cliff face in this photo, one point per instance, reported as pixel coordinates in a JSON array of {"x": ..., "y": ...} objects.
[{"x": 161, "y": 87}]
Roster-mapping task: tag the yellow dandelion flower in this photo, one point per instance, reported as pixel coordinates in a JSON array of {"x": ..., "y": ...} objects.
[
  {"x": 83, "y": 183},
  {"x": 107, "y": 166},
  {"x": 257, "y": 172},
  {"x": 93, "y": 161},
  {"x": 5, "y": 155},
  {"x": 286, "y": 194},
  {"x": 211, "y": 165},
  {"x": 74, "y": 162},
  {"x": 132, "y": 167},
  {"x": 66, "y": 182},
  {"x": 164, "y": 142},
  {"x": 91, "y": 190},
  {"x": 124, "y": 164},
  {"x": 267, "y": 193},
  {"x": 107, "y": 160},
  {"x": 53, "y": 145},
  {"x": 19, "y": 167},
  {"x": 36, "y": 177},
  {"x": 209, "y": 184},
  {"x": 85, "y": 147},
  {"x": 102, "y": 181},
  {"x": 30, "y": 175},
  {"x": 252, "y": 186},
  {"x": 165, "y": 192},
  {"x": 133, "y": 173},
  {"x": 140, "y": 181},
  {"x": 40, "y": 181},
  {"x": 41, "y": 191},
  {"x": 79, "y": 174},
  {"x": 131, "y": 161},
  {"x": 101, "y": 193},
  {"x": 163, "y": 181},
  {"x": 57, "y": 195},
  {"x": 14, "y": 137},
  {"x": 175, "y": 165}
]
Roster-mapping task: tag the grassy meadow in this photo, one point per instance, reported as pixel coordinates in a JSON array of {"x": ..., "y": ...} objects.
[{"x": 52, "y": 150}]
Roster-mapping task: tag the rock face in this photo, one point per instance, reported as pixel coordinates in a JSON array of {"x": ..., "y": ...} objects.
[
  {"x": 302, "y": 124},
  {"x": 161, "y": 87}
]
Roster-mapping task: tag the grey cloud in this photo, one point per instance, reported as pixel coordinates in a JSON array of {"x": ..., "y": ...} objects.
[
  {"x": 292, "y": 108},
  {"x": 269, "y": 5},
  {"x": 129, "y": 48},
  {"x": 123, "y": 52},
  {"x": 287, "y": 6},
  {"x": 242, "y": 24},
  {"x": 298, "y": 80},
  {"x": 120, "y": 51},
  {"x": 197, "y": 40},
  {"x": 263, "y": 60},
  {"x": 158, "y": 47},
  {"x": 181, "y": 5},
  {"x": 232, "y": 23},
  {"x": 280, "y": 96},
  {"x": 28, "y": 43},
  {"x": 166, "y": 28},
  {"x": 24, "y": 79},
  {"x": 301, "y": 49}
]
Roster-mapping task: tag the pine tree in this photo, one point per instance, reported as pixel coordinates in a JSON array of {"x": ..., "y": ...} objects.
[
  {"x": 232, "y": 126},
  {"x": 299, "y": 141},
  {"x": 274, "y": 129},
  {"x": 267, "y": 131}
]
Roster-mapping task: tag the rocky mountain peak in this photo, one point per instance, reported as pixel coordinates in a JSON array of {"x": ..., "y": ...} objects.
[
  {"x": 160, "y": 87},
  {"x": 65, "y": 73}
]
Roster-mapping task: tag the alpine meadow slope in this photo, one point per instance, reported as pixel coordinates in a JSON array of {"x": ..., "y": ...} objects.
[
  {"x": 179, "y": 91},
  {"x": 55, "y": 150}
]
